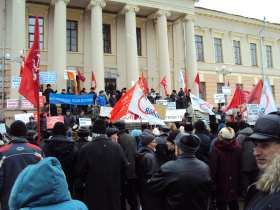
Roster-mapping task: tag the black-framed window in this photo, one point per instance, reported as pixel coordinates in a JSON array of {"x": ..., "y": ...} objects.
[
  {"x": 139, "y": 41},
  {"x": 202, "y": 94},
  {"x": 199, "y": 48},
  {"x": 72, "y": 35},
  {"x": 220, "y": 87},
  {"x": 237, "y": 52},
  {"x": 253, "y": 50},
  {"x": 31, "y": 31},
  {"x": 218, "y": 50},
  {"x": 107, "y": 38},
  {"x": 269, "y": 61}
]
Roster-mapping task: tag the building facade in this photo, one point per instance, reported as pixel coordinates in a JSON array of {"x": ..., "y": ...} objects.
[{"x": 119, "y": 39}]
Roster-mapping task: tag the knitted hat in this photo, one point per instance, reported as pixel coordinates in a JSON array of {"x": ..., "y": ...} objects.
[
  {"x": 146, "y": 139},
  {"x": 226, "y": 133},
  {"x": 99, "y": 127},
  {"x": 18, "y": 129},
  {"x": 188, "y": 143},
  {"x": 59, "y": 129}
]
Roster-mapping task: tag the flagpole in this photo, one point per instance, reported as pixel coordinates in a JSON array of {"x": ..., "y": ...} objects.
[{"x": 38, "y": 113}]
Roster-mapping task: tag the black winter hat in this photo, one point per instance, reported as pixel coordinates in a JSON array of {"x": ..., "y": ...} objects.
[
  {"x": 59, "y": 129},
  {"x": 146, "y": 139},
  {"x": 99, "y": 127},
  {"x": 120, "y": 125},
  {"x": 18, "y": 128},
  {"x": 188, "y": 143},
  {"x": 83, "y": 132},
  {"x": 111, "y": 131}
]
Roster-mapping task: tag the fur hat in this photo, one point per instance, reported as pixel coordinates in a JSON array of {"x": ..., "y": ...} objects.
[
  {"x": 120, "y": 125},
  {"x": 18, "y": 128},
  {"x": 188, "y": 143},
  {"x": 111, "y": 131},
  {"x": 59, "y": 129},
  {"x": 83, "y": 132},
  {"x": 146, "y": 139},
  {"x": 99, "y": 127},
  {"x": 226, "y": 133}
]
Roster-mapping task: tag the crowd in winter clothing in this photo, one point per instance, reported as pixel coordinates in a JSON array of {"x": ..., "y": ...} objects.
[{"x": 179, "y": 166}]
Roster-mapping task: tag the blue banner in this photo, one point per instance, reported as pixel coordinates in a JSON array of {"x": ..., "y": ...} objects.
[{"x": 71, "y": 99}]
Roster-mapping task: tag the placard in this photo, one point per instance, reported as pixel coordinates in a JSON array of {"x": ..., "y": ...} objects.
[
  {"x": 12, "y": 103},
  {"x": 85, "y": 122},
  {"x": 162, "y": 102},
  {"x": 24, "y": 117},
  {"x": 15, "y": 82},
  {"x": 171, "y": 105},
  {"x": 52, "y": 120},
  {"x": 3, "y": 128},
  {"x": 25, "y": 104},
  {"x": 226, "y": 90},
  {"x": 252, "y": 113},
  {"x": 219, "y": 98},
  {"x": 174, "y": 115},
  {"x": 47, "y": 77},
  {"x": 105, "y": 111}
]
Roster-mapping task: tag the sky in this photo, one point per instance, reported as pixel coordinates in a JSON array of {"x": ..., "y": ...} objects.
[{"x": 248, "y": 8}]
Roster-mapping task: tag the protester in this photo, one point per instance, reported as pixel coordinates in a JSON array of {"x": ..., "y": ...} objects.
[
  {"x": 112, "y": 99},
  {"x": 101, "y": 99},
  {"x": 14, "y": 157},
  {"x": 225, "y": 165},
  {"x": 43, "y": 186},
  {"x": 147, "y": 165},
  {"x": 69, "y": 119},
  {"x": 64, "y": 150},
  {"x": 31, "y": 125},
  {"x": 83, "y": 134},
  {"x": 101, "y": 169},
  {"x": 184, "y": 183},
  {"x": 205, "y": 141},
  {"x": 112, "y": 133},
  {"x": 128, "y": 144},
  {"x": 266, "y": 137}
]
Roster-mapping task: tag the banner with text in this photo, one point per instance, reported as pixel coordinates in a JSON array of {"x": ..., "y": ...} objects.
[{"x": 71, "y": 99}]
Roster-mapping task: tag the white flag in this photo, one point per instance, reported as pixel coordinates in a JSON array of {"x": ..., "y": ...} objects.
[
  {"x": 201, "y": 105},
  {"x": 142, "y": 107},
  {"x": 267, "y": 104}
]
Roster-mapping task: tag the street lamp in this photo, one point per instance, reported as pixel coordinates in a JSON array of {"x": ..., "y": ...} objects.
[{"x": 224, "y": 72}]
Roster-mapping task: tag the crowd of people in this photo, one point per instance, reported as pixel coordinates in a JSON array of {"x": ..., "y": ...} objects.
[{"x": 185, "y": 165}]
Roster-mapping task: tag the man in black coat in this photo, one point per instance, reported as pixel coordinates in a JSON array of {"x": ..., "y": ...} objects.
[
  {"x": 64, "y": 150},
  {"x": 184, "y": 183},
  {"x": 101, "y": 169},
  {"x": 128, "y": 144}
]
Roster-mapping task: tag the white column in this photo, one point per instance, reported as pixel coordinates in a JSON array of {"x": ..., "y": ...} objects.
[
  {"x": 132, "y": 66},
  {"x": 97, "y": 41},
  {"x": 59, "y": 42},
  {"x": 191, "y": 53},
  {"x": 163, "y": 47},
  {"x": 17, "y": 38}
]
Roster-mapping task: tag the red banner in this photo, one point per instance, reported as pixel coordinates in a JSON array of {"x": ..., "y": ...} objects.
[{"x": 52, "y": 120}]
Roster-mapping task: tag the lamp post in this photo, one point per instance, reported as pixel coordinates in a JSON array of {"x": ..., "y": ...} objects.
[
  {"x": 224, "y": 72},
  {"x": 261, "y": 34}
]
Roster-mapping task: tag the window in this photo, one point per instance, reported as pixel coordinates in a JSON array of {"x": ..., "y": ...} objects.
[
  {"x": 253, "y": 49},
  {"x": 240, "y": 85},
  {"x": 31, "y": 31},
  {"x": 237, "y": 52},
  {"x": 72, "y": 35},
  {"x": 203, "y": 88},
  {"x": 218, "y": 50},
  {"x": 199, "y": 48},
  {"x": 139, "y": 41},
  {"x": 269, "y": 56},
  {"x": 107, "y": 38},
  {"x": 220, "y": 87}
]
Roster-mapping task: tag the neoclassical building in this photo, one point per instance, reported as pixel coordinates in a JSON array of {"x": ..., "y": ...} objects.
[{"x": 119, "y": 39}]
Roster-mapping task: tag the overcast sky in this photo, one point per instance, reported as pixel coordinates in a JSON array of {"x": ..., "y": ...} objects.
[{"x": 249, "y": 8}]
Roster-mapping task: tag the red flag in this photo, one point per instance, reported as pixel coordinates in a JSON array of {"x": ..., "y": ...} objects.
[
  {"x": 29, "y": 85},
  {"x": 121, "y": 107},
  {"x": 93, "y": 80},
  {"x": 197, "y": 81},
  {"x": 163, "y": 83},
  {"x": 70, "y": 75},
  {"x": 80, "y": 76},
  {"x": 143, "y": 84},
  {"x": 255, "y": 95},
  {"x": 240, "y": 97}
]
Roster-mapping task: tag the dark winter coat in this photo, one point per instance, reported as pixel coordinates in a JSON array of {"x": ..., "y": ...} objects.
[
  {"x": 14, "y": 157},
  {"x": 101, "y": 168},
  {"x": 225, "y": 165},
  {"x": 204, "y": 148},
  {"x": 268, "y": 186},
  {"x": 66, "y": 152},
  {"x": 147, "y": 165},
  {"x": 128, "y": 144},
  {"x": 184, "y": 184}
]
